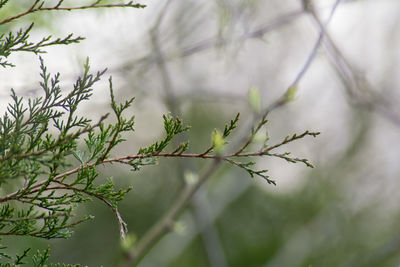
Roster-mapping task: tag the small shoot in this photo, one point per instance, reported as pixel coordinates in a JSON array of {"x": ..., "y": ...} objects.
[
  {"x": 291, "y": 93},
  {"x": 172, "y": 126},
  {"x": 254, "y": 99},
  {"x": 218, "y": 142}
]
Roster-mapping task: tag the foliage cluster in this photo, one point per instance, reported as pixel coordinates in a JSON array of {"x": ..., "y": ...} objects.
[{"x": 50, "y": 153}]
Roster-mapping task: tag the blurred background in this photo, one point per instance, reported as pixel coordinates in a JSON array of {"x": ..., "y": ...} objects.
[{"x": 198, "y": 60}]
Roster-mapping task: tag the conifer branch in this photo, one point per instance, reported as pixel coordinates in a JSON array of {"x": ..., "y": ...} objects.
[
  {"x": 55, "y": 152},
  {"x": 39, "y": 5}
]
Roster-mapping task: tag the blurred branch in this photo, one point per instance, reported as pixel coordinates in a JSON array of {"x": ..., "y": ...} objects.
[
  {"x": 205, "y": 225},
  {"x": 212, "y": 42},
  {"x": 161, "y": 63},
  {"x": 173, "y": 105},
  {"x": 292, "y": 89},
  {"x": 166, "y": 223},
  {"x": 306, "y": 66},
  {"x": 359, "y": 90}
]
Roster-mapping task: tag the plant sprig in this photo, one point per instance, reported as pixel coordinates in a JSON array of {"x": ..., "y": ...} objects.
[
  {"x": 30, "y": 157},
  {"x": 19, "y": 42},
  {"x": 40, "y": 5},
  {"x": 54, "y": 152}
]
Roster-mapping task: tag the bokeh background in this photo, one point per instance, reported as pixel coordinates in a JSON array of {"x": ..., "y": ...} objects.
[{"x": 198, "y": 60}]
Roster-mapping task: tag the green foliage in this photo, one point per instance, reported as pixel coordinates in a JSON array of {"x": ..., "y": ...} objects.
[
  {"x": 172, "y": 127},
  {"x": 50, "y": 153},
  {"x": 261, "y": 173},
  {"x": 232, "y": 125},
  {"x": 39, "y": 259},
  {"x": 18, "y": 42},
  {"x": 3, "y": 2},
  {"x": 30, "y": 150}
]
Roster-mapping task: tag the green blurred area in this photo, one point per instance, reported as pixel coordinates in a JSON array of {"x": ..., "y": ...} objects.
[{"x": 336, "y": 216}]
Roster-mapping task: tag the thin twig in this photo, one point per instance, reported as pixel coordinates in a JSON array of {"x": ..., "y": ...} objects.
[
  {"x": 358, "y": 88},
  {"x": 126, "y": 159},
  {"x": 212, "y": 42},
  {"x": 58, "y": 7},
  {"x": 122, "y": 224},
  {"x": 317, "y": 44},
  {"x": 283, "y": 99}
]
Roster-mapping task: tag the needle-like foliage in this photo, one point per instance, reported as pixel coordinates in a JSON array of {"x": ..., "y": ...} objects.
[{"x": 49, "y": 152}]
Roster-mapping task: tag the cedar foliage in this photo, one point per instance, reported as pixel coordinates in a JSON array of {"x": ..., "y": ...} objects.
[{"x": 41, "y": 137}]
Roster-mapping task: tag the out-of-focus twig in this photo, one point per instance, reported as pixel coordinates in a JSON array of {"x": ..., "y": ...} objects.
[
  {"x": 212, "y": 42},
  {"x": 166, "y": 223},
  {"x": 359, "y": 90},
  {"x": 291, "y": 89},
  {"x": 307, "y": 6}
]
